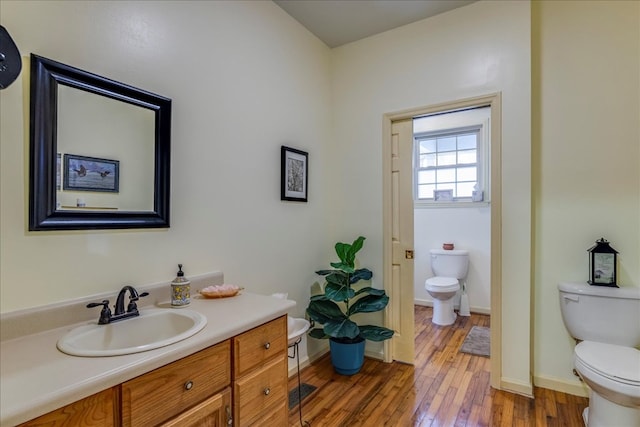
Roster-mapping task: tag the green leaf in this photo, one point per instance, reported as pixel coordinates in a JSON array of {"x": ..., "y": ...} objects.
[
  {"x": 342, "y": 250},
  {"x": 320, "y": 297},
  {"x": 324, "y": 311},
  {"x": 318, "y": 333},
  {"x": 338, "y": 277},
  {"x": 355, "y": 247},
  {"x": 370, "y": 290},
  {"x": 347, "y": 252},
  {"x": 338, "y": 292},
  {"x": 375, "y": 333},
  {"x": 343, "y": 328},
  {"x": 324, "y": 272},
  {"x": 343, "y": 267},
  {"x": 361, "y": 274},
  {"x": 369, "y": 304}
]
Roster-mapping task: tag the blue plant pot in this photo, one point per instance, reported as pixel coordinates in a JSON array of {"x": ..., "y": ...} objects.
[{"x": 347, "y": 359}]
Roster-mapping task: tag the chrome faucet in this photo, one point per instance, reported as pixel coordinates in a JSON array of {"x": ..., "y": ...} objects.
[{"x": 119, "y": 311}]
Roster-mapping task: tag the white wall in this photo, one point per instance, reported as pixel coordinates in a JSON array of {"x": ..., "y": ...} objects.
[
  {"x": 476, "y": 50},
  {"x": 586, "y": 171},
  {"x": 468, "y": 228},
  {"x": 244, "y": 78}
]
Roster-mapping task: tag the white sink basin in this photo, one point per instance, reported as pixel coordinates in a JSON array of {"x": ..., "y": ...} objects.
[
  {"x": 296, "y": 327},
  {"x": 154, "y": 328}
]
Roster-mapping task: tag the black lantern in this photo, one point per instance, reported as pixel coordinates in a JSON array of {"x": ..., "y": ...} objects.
[{"x": 603, "y": 264}]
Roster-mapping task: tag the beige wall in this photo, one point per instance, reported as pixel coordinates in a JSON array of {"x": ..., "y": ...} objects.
[
  {"x": 586, "y": 146},
  {"x": 244, "y": 78},
  {"x": 476, "y": 50}
]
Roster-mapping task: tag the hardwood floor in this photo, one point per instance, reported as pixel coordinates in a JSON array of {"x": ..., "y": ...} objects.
[{"x": 443, "y": 388}]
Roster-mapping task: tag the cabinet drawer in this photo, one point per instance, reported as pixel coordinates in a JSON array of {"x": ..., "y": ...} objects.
[
  {"x": 155, "y": 397},
  {"x": 213, "y": 412},
  {"x": 279, "y": 417},
  {"x": 255, "y": 347},
  {"x": 261, "y": 392}
]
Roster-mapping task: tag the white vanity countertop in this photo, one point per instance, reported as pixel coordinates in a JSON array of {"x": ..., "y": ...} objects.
[{"x": 36, "y": 378}]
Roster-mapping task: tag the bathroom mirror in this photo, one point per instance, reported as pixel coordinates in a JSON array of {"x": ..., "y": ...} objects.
[{"x": 99, "y": 152}]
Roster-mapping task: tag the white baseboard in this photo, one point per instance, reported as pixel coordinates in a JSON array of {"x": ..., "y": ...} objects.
[
  {"x": 293, "y": 370},
  {"x": 473, "y": 309},
  {"x": 374, "y": 354},
  {"x": 515, "y": 386},
  {"x": 318, "y": 354},
  {"x": 576, "y": 388}
]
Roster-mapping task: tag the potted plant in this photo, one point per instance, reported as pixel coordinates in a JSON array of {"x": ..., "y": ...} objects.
[{"x": 333, "y": 310}]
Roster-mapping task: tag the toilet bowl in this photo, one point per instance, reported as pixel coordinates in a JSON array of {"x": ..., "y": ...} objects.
[
  {"x": 608, "y": 322},
  {"x": 443, "y": 290},
  {"x": 448, "y": 266}
]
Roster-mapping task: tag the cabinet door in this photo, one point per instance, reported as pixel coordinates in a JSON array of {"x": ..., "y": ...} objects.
[
  {"x": 95, "y": 410},
  {"x": 258, "y": 395},
  {"x": 160, "y": 395},
  {"x": 213, "y": 412}
]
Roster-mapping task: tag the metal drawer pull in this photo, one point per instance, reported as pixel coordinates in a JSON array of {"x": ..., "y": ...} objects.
[
  {"x": 267, "y": 391},
  {"x": 188, "y": 385},
  {"x": 267, "y": 345}
]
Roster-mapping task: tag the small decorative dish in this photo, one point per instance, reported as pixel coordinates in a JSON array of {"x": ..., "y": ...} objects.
[{"x": 220, "y": 291}]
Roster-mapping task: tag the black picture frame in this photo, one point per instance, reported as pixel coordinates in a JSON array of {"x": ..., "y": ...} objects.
[
  {"x": 294, "y": 177},
  {"x": 46, "y": 76},
  {"x": 82, "y": 173}
]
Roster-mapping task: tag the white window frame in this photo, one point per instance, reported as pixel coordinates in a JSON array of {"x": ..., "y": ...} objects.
[{"x": 482, "y": 164}]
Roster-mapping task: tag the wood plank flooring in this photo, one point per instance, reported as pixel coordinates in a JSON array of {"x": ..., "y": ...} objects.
[{"x": 443, "y": 388}]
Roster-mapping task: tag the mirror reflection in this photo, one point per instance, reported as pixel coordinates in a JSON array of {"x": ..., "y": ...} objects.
[{"x": 105, "y": 153}]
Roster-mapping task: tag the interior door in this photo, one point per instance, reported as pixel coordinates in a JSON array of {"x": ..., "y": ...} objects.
[{"x": 402, "y": 314}]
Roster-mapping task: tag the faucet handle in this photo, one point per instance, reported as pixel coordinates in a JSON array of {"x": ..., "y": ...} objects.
[
  {"x": 105, "y": 313},
  {"x": 132, "y": 302},
  {"x": 104, "y": 303}
]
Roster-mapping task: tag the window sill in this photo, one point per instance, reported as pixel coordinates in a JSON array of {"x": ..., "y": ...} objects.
[{"x": 438, "y": 205}]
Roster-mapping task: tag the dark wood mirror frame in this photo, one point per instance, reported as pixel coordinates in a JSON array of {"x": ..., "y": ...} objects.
[{"x": 46, "y": 75}]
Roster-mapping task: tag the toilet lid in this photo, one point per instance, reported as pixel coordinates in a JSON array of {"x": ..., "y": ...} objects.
[
  {"x": 442, "y": 284},
  {"x": 616, "y": 362}
]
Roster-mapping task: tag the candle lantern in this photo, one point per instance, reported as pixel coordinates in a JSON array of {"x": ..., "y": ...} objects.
[{"x": 603, "y": 264}]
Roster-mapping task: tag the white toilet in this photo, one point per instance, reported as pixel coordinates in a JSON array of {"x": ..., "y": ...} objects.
[
  {"x": 607, "y": 321},
  {"x": 449, "y": 267}
]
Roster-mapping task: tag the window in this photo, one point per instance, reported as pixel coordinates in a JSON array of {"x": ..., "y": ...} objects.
[{"x": 449, "y": 162}]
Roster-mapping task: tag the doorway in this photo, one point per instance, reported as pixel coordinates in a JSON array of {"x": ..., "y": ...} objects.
[{"x": 398, "y": 220}]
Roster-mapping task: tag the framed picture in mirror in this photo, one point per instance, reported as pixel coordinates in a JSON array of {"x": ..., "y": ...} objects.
[{"x": 91, "y": 174}]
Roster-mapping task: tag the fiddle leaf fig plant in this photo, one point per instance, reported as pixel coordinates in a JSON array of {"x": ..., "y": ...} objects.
[{"x": 342, "y": 299}]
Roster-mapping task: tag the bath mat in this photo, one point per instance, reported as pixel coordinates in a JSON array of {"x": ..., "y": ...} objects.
[
  {"x": 477, "y": 341},
  {"x": 305, "y": 390}
]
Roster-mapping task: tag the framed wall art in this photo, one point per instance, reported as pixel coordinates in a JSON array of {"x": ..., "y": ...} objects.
[
  {"x": 294, "y": 174},
  {"x": 91, "y": 174}
]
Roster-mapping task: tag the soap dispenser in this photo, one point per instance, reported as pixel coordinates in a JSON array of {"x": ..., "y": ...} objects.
[{"x": 180, "y": 289}]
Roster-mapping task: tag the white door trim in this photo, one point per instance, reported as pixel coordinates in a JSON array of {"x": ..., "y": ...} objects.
[{"x": 495, "y": 101}]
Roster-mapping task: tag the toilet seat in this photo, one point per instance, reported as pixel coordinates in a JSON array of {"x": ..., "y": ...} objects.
[
  {"x": 614, "y": 362},
  {"x": 442, "y": 284}
]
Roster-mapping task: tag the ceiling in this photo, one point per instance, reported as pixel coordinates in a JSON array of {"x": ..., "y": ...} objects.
[{"x": 337, "y": 22}]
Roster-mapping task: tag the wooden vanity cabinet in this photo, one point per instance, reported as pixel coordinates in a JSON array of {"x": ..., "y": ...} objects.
[
  {"x": 95, "y": 410},
  {"x": 173, "y": 390},
  {"x": 239, "y": 382},
  {"x": 260, "y": 375}
]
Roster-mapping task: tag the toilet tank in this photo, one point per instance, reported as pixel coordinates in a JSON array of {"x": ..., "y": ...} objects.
[
  {"x": 600, "y": 313},
  {"x": 454, "y": 263}
]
